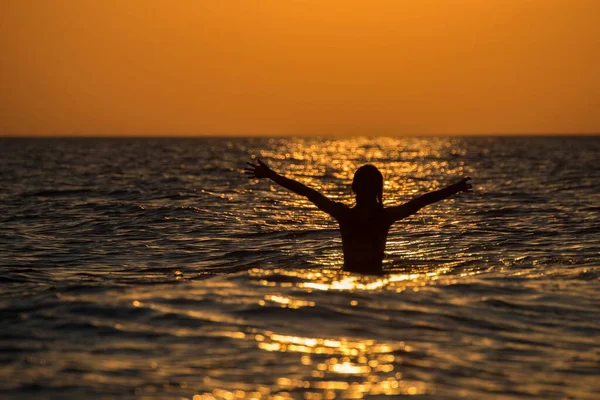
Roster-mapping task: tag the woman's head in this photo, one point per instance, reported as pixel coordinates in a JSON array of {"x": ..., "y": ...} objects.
[{"x": 368, "y": 184}]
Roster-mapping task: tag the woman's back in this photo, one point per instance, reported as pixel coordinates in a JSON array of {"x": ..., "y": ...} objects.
[
  {"x": 364, "y": 227},
  {"x": 364, "y": 231}
]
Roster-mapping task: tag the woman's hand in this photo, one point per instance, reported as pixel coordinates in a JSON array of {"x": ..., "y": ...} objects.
[
  {"x": 260, "y": 170},
  {"x": 463, "y": 185}
]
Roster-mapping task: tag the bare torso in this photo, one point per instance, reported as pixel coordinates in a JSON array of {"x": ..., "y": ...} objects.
[{"x": 364, "y": 231}]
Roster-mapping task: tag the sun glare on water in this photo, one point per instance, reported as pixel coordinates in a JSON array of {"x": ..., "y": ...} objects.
[{"x": 330, "y": 367}]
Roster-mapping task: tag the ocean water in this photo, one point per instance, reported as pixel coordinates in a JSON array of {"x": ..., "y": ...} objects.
[{"x": 154, "y": 269}]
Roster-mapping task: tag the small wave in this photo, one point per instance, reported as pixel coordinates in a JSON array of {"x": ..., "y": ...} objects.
[{"x": 58, "y": 193}]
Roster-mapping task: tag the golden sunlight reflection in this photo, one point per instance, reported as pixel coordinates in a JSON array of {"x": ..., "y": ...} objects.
[
  {"x": 321, "y": 363},
  {"x": 330, "y": 279},
  {"x": 286, "y": 302},
  {"x": 340, "y": 158},
  {"x": 339, "y": 368},
  {"x": 328, "y": 367}
]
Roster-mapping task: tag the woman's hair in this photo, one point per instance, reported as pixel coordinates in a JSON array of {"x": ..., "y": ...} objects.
[{"x": 368, "y": 183}]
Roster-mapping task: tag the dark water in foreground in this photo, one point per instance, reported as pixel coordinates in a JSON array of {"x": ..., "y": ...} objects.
[{"x": 154, "y": 269}]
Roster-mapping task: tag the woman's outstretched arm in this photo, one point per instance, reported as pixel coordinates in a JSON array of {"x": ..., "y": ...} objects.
[
  {"x": 262, "y": 170},
  {"x": 410, "y": 208}
]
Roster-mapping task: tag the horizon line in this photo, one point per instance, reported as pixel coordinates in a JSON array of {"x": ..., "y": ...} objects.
[{"x": 284, "y": 135}]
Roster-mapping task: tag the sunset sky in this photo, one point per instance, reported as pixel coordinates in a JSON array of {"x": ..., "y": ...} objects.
[{"x": 323, "y": 67}]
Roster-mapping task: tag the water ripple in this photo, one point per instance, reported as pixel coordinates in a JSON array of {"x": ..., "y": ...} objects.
[{"x": 154, "y": 269}]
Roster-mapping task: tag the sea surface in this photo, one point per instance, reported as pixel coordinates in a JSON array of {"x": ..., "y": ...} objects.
[{"x": 154, "y": 269}]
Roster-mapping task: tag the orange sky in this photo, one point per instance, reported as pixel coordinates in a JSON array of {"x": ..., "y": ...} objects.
[{"x": 227, "y": 67}]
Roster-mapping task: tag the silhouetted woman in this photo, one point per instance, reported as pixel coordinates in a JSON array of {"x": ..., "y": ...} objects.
[{"x": 365, "y": 226}]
